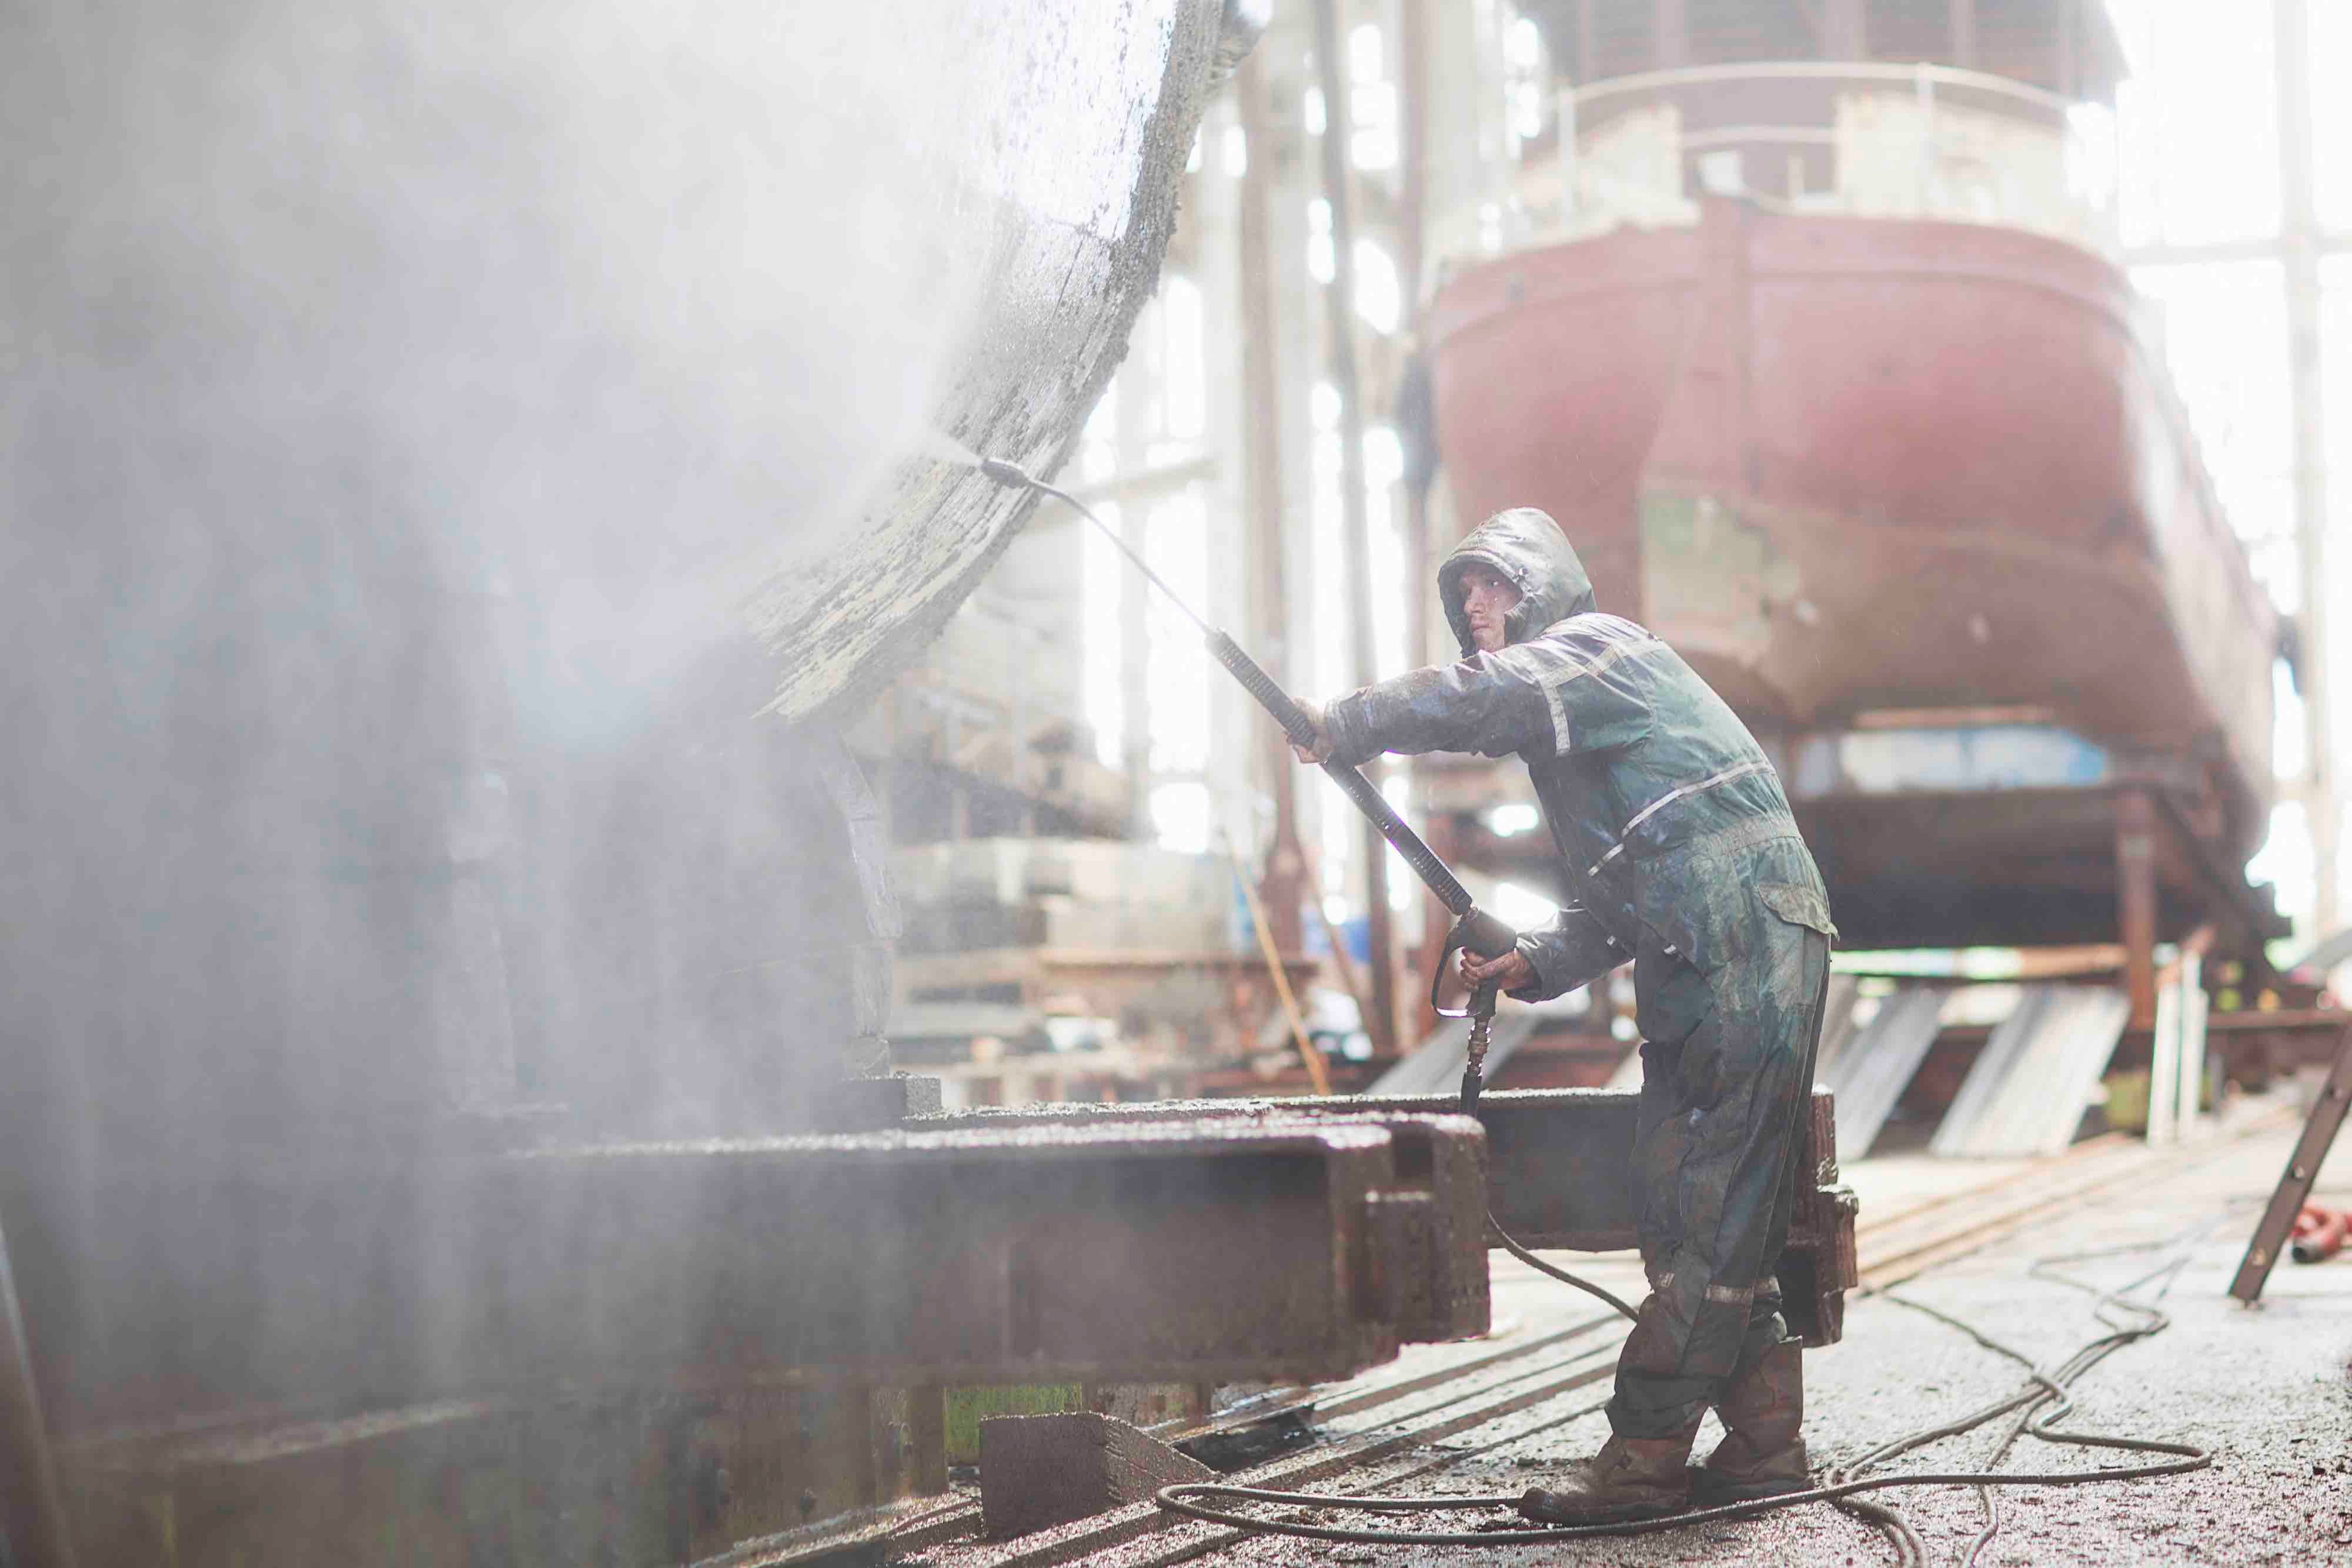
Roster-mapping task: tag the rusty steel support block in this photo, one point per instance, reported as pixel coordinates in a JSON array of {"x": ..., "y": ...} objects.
[
  {"x": 646, "y": 1343},
  {"x": 1438, "y": 1211},
  {"x": 1183, "y": 1253},
  {"x": 871, "y": 1105},
  {"x": 1557, "y": 1172},
  {"x": 1216, "y": 1250},
  {"x": 1821, "y": 1263}
]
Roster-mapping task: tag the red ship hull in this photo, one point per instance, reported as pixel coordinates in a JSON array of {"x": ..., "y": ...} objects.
[{"x": 1849, "y": 465}]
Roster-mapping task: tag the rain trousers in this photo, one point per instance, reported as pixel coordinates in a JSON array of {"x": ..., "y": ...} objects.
[{"x": 1683, "y": 856}]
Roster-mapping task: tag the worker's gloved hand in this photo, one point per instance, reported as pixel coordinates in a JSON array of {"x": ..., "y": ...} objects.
[
  {"x": 1511, "y": 970},
  {"x": 1321, "y": 750}
]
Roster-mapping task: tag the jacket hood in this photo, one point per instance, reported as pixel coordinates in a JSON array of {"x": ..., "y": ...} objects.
[{"x": 1526, "y": 548}]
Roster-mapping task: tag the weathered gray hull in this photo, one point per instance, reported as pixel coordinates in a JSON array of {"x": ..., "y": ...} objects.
[{"x": 1061, "y": 289}]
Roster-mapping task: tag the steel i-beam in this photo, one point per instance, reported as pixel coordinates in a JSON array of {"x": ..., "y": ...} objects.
[{"x": 1557, "y": 1172}]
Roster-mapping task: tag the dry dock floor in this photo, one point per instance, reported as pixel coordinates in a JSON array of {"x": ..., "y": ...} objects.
[{"x": 2267, "y": 1391}]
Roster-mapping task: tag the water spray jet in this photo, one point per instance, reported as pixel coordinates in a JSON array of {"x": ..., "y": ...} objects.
[{"x": 1475, "y": 930}]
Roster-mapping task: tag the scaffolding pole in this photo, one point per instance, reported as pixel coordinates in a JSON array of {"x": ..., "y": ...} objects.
[
  {"x": 2301, "y": 248},
  {"x": 1284, "y": 887},
  {"x": 1339, "y": 306}
]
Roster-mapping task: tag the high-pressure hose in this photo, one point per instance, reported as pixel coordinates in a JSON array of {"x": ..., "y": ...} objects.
[
  {"x": 1511, "y": 1246},
  {"x": 1359, "y": 790},
  {"x": 2037, "y": 1407}
]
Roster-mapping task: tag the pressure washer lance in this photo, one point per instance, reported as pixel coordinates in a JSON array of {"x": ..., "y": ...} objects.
[{"x": 1474, "y": 928}]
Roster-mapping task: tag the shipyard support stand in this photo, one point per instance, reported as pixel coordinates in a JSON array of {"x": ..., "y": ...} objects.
[{"x": 2302, "y": 1170}]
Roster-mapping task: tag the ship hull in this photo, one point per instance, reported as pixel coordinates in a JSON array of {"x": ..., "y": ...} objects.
[{"x": 1860, "y": 468}]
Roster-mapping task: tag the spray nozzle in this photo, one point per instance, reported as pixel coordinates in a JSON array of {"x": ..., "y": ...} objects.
[{"x": 1005, "y": 473}]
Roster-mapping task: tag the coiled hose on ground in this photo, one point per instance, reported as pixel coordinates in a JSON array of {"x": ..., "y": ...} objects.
[{"x": 2036, "y": 1406}]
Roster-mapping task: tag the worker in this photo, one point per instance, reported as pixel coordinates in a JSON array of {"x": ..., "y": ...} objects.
[{"x": 1683, "y": 858}]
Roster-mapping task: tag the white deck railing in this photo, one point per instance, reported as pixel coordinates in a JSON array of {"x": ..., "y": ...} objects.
[{"x": 1854, "y": 139}]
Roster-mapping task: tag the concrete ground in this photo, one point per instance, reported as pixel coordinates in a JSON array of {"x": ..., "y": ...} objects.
[{"x": 2266, "y": 1391}]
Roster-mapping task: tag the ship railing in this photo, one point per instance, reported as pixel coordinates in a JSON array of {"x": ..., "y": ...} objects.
[{"x": 1856, "y": 139}]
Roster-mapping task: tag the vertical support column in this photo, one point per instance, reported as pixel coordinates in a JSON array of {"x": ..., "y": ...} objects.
[
  {"x": 1416, "y": 425},
  {"x": 2190, "y": 1125},
  {"x": 2164, "y": 1064},
  {"x": 473, "y": 991},
  {"x": 1340, "y": 310},
  {"x": 1413, "y": 24},
  {"x": 959, "y": 796},
  {"x": 1280, "y": 65},
  {"x": 1462, "y": 114},
  {"x": 1016, "y": 777},
  {"x": 2135, "y": 899},
  {"x": 2069, "y": 69},
  {"x": 33, "y": 1529},
  {"x": 1135, "y": 610},
  {"x": 2305, "y": 387},
  {"x": 927, "y": 1440},
  {"x": 1284, "y": 887},
  {"x": 870, "y": 948},
  {"x": 1962, "y": 15},
  {"x": 1669, "y": 35},
  {"x": 1234, "y": 769},
  {"x": 1845, "y": 35}
]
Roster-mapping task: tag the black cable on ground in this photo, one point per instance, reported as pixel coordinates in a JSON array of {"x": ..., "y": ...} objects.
[
  {"x": 1177, "y": 1500},
  {"x": 2042, "y": 1403},
  {"x": 2153, "y": 1321},
  {"x": 1563, "y": 1275}
]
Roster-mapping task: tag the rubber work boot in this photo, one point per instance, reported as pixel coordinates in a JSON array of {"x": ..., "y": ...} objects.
[
  {"x": 1760, "y": 1454},
  {"x": 1630, "y": 1478}
]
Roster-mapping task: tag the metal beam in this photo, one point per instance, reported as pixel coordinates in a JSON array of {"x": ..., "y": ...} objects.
[
  {"x": 1439, "y": 1155},
  {"x": 1190, "y": 1251},
  {"x": 1558, "y": 1160},
  {"x": 33, "y": 1528},
  {"x": 1193, "y": 1252},
  {"x": 1559, "y": 1170}
]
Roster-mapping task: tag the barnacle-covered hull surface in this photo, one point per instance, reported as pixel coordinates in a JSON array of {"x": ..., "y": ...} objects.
[{"x": 456, "y": 463}]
